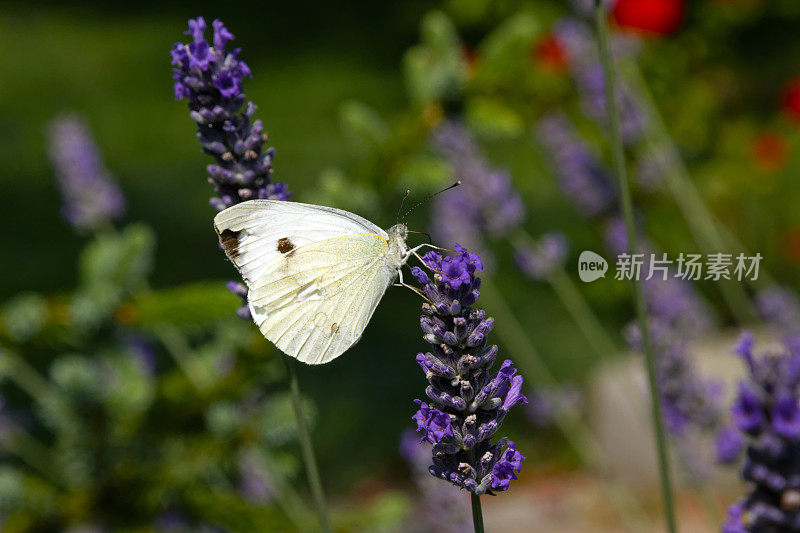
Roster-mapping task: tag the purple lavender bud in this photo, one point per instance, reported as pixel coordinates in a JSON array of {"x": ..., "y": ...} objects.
[
  {"x": 766, "y": 413},
  {"x": 466, "y": 407},
  {"x": 747, "y": 410},
  {"x": 241, "y": 291},
  {"x": 729, "y": 444},
  {"x": 786, "y": 416},
  {"x": 91, "y": 198},
  {"x": 504, "y": 469}
]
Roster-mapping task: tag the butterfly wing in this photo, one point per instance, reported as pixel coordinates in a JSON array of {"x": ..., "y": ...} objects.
[{"x": 315, "y": 274}]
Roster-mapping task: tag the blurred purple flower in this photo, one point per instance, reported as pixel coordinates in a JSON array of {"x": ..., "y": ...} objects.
[
  {"x": 779, "y": 307},
  {"x": 486, "y": 201},
  {"x": 766, "y": 412},
  {"x": 540, "y": 260},
  {"x": 460, "y": 384},
  {"x": 580, "y": 174},
  {"x": 143, "y": 352},
  {"x": 546, "y": 405},
  {"x": 444, "y": 509},
  {"x": 578, "y": 40},
  {"x": 254, "y": 484},
  {"x": 729, "y": 444},
  {"x": 91, "y": 198}
]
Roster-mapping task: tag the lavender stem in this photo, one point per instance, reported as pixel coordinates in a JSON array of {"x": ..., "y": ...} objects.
[
  {"x": 477, "y": 514},
  {"x": 638, "y": 293},
  {"x": 303, "y": 435}
]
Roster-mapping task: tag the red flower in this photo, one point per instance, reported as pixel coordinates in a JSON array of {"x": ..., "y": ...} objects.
[
  {"x": 791, "y": 244},
  {"x": 654, "y": 17},
  {"x": 791, "y": 98},
  {"x": 770, "y": 151},
  {"x": 549, "y": 53}
]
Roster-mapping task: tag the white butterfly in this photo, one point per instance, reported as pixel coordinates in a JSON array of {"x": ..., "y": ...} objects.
[{"x": 315, "y": 273}]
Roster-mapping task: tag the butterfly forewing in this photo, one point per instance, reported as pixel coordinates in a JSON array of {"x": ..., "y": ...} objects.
[{"x": 315, "y": 274}]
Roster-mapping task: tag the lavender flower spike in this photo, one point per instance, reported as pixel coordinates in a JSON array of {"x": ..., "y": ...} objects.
[
  {"x": 580, "y": 174},
  {"x": 466, "y": 402},
  {"x": 211, "y": 79},
  {"x": 767, "y": 415},
  {"x": 486, "y": 202},
  {"x": 91, "y": 198}
]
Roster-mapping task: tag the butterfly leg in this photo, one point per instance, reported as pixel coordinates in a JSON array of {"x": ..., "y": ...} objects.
[
  {"x": 402, "y": 284},
  {"x": 413, "y": 251}
]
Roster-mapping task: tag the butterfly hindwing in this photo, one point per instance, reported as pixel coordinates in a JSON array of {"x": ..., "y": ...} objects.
[
  {"x": 315, "y": 274},
  {"x": 318, "y": 303}
]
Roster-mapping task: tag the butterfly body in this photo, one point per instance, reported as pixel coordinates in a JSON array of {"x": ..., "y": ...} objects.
[{"x": 315, "y": 274}]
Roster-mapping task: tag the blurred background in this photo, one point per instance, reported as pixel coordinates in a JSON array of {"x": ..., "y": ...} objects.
[{"x": 134, "y": 398}]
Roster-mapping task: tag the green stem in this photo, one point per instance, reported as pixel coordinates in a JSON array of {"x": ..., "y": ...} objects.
[
  {"x": 581, "y": 313},
  {"x": 178, "y": 347},
  {"x": 641, "y": 311},
  {"x": 38, "y": 456},
  {"x": 285, "y": 495},
  {"x": 477, "y": 515},
  {"x": 706, "y": 229},
  {"x": 25, "y": 376},
  {"x": 304, "y": 436},
  {"x": 575, "y": 304}
]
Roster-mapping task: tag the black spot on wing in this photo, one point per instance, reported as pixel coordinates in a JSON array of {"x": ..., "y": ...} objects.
[
  {"x": 230, "y": 242},
  {"x": 285, "y": 246},
  {"x": 334, "y": 328}
]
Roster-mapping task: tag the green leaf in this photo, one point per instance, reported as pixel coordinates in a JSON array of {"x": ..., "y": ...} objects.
[
  {"x": 491, "y": 119},
  {"x": 436, "y": 69},
  {"x": 362, "y": 126},
  {"x": 24, "y": 316},
  {"x": 424, "y": 171},
  {"x": 194, "y": 303},
  {"x": 111, "y": 267}
]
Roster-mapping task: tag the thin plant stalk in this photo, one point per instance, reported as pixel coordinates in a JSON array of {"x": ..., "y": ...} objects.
[
  {"x": 638, "y": 293},
  {"x": 582, "y": 441},
  {"x": 477, "y": 514},
  {"x": 707, "y": 230},
  {"x": 581, "y": 313},
  {"x": 178, "y": 347},
  {"x": 30, "y": 450},
  {"x": 303, "y": 435},
  {"x": 575, "y": 304},
  {"x": 286, "y": 497}
]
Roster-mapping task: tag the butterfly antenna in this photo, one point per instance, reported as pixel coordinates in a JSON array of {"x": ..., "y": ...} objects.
[
  {"x": 456, "y": 184},
  {"x": 397, "y": 219},
  {"x": 430, "y": 240}
]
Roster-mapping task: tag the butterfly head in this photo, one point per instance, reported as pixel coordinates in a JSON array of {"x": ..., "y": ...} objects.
[{"x": 398, "y": 234}]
